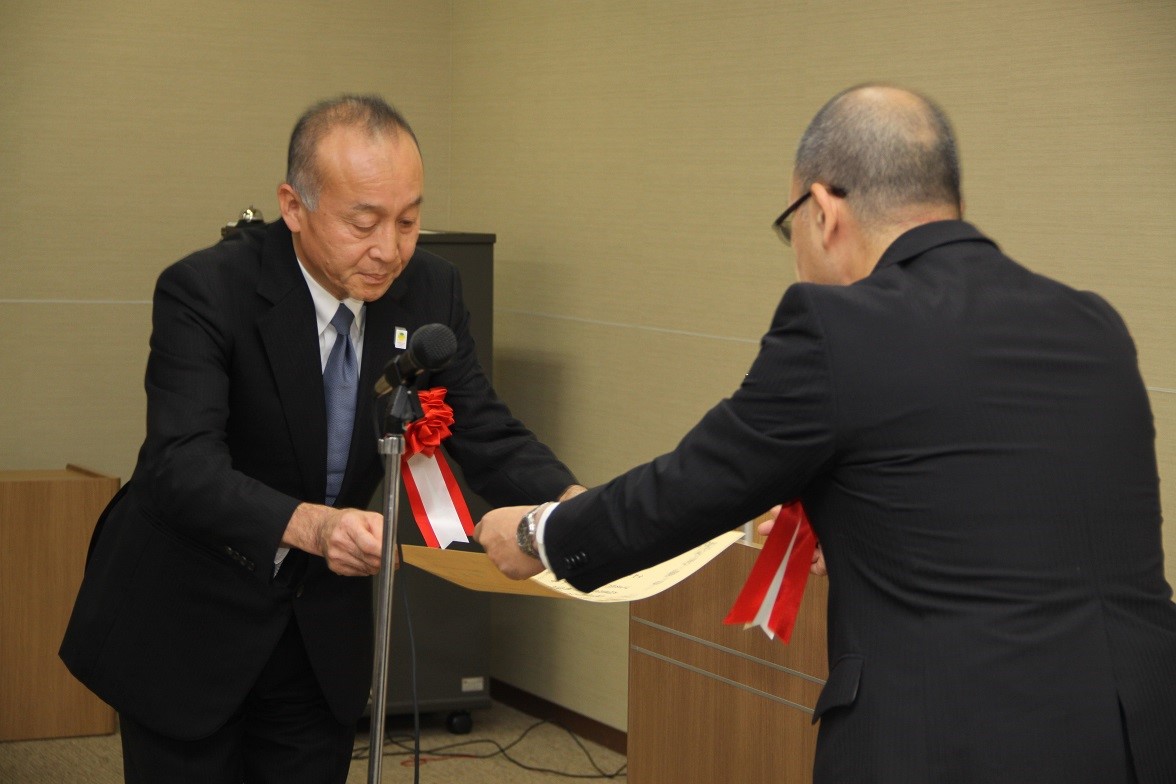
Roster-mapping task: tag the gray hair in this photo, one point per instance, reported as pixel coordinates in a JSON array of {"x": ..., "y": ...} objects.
[
  {"x": 888, "y": 149},
  {"x": 369, "y": 112}
]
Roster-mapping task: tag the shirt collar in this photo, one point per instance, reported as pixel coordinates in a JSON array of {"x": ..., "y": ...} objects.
[{"x": 325, "y": 303}]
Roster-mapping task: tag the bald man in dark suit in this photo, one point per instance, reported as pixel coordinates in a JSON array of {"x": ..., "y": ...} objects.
[
  {"x": 974, "y": 447},
  {"x": 221, "y": 611}
]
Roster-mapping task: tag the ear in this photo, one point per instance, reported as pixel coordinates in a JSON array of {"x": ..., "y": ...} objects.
[
  {"x": 829, "y": 215},
  {"x": 291, "y": 207}
]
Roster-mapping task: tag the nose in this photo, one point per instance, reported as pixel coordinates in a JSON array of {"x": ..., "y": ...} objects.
[{"x": 386, "y": 245}]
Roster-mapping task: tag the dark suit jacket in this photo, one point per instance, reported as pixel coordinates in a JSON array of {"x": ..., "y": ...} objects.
[
  {"x": 179, "y": 609},
  {"x": 974, "y": 446}
]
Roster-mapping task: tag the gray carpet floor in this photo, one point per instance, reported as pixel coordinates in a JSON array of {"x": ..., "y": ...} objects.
[{"x": 475, "y": 758}]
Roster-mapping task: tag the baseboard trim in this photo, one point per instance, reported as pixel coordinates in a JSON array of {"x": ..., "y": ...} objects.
[{"x": 590, "y": 729}]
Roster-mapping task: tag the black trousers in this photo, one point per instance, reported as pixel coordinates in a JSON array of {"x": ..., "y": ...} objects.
[{"x": 284, "y": 733}]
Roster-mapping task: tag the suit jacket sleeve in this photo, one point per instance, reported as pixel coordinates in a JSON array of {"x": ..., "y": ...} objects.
[
  {"x": 756, "y": 449},
  {"x": 192, "y": 485}
]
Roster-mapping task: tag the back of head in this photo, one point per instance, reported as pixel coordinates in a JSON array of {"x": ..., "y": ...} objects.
[
  {"x": 369, "y": 112},
  {"x": 891, "y": 149}
]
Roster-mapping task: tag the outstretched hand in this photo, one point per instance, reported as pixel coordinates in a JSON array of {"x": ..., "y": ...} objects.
[{"x": 496, "y": 532}]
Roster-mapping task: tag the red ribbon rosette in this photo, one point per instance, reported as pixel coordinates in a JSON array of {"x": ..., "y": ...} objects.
[{"x": 426, "y": 434}]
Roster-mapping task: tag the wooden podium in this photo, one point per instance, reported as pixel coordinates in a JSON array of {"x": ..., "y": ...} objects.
[
  {"x": 709, "y": 702},
  {"x": 45, "y": 522}
]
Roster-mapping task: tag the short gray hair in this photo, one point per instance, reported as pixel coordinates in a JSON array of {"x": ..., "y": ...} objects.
[
  {"x": 886, "y": 152},
  {"x": 369, "y": 112}
]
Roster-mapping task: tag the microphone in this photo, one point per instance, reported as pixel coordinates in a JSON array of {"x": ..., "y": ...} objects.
[{"x": 431, "y": 347}]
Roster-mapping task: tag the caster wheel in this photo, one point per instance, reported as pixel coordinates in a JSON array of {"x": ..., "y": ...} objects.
[{"x": 459, "y": 722}]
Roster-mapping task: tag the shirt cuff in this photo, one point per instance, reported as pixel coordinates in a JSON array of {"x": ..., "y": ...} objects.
[{"x": 539, "y": 528}]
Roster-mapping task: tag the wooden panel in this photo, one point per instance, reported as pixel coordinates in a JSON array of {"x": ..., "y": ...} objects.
[
  {"x": 709, "y": 702},
  {"x": 694, "y": 729},
  {"x": 45, "y": 522}
]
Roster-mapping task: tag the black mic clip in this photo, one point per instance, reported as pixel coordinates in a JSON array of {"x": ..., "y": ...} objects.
[
  {"x": 403, "y": 409},
  {"x": 393, "y": 378}
]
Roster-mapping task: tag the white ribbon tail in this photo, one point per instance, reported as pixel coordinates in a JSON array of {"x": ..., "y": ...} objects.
[
  {"x": 765, "y": 609},
  {"x": 436, "y": 501}
]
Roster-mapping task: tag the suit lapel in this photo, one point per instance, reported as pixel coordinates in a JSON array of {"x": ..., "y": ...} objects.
[
  {"x": 289, "y": 332},
  {"x": 379, "y": 341},
  {"x": 378, "y": 347},
  {"x": 290, "y": 336}
]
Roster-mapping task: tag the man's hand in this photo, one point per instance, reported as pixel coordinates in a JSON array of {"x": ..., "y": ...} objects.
[
  {"x": 350, "y": 540},
  {"x": 818, "y": 565},
  {"x": 497, "y": 533}
]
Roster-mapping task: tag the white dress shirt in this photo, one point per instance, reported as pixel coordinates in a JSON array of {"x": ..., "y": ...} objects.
[{"x": 325, "y": 306}]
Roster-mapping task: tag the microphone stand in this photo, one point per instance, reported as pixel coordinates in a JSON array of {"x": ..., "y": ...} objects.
[{"x": 403, "y": 409}]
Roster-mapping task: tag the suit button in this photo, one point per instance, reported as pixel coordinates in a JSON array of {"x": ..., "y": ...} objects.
[
  {"x": 576, "y": 559},
  {"x": 298, "y": 593}
]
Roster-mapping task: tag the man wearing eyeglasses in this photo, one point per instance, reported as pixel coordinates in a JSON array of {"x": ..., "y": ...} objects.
[{"x": 974, "y": 447}]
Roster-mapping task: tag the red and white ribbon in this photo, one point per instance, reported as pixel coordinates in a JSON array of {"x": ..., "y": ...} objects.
[
  {"x": 770, "y": 598},
  {"x": 437, "y": 504}
]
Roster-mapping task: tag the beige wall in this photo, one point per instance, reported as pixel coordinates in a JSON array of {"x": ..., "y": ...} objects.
[
  {"x": 130, "y": 133},
  {"x": 629, "y": 156}
]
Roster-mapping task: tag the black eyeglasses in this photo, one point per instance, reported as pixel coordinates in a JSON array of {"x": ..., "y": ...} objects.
[{"x": 783, "y": 225}]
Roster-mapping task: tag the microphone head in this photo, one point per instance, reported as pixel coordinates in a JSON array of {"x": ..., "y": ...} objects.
[{"x": 432, "y": 346}]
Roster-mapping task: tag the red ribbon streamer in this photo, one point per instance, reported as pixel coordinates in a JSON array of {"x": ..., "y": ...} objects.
[
  {"x": 423, "y": 437},
  {"x": 791, "y": 527}
]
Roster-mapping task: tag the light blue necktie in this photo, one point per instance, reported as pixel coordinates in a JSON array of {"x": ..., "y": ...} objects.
[{"x": 341, "y": 386}]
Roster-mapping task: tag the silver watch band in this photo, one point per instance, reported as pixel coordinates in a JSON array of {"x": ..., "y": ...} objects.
[{"x": 525, "y": 534}]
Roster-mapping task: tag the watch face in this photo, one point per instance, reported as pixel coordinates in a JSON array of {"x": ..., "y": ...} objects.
[{"x": 525, "y": 534}]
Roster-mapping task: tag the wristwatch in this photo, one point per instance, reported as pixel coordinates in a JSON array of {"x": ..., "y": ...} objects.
[{"x": 525, "y": 533}]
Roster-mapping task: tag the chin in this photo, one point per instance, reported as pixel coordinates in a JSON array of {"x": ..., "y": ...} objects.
[{"x": 371, "y": 293}]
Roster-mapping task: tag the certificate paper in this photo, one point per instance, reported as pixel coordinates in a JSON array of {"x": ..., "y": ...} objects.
[
  {"x": 647, "y": 582},
  {"x": 475, "y": 571}
]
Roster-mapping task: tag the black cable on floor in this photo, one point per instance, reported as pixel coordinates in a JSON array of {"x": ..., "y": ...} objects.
[
  {"x": 445, "y": 751},
  {"x": 363, "y": 753}
]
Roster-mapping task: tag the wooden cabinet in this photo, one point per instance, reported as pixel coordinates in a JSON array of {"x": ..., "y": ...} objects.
[
  {"x": 45, "y": 522},
  {"x": 709, "y": 702}
]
